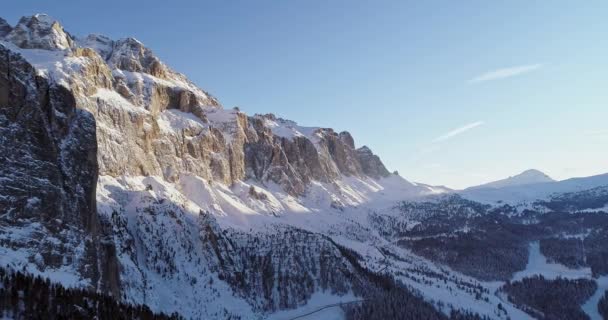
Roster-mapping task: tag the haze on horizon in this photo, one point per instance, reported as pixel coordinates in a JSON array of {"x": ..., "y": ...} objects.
[{"x": 456, "y": 94}]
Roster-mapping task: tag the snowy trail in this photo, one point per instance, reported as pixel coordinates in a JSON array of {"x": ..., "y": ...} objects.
[
  {"x": 321, "y": 305},
  {"x": 304, "y": 316},
  {"x": 590, "y": 307},
  {"x": 538, "y": 265}
]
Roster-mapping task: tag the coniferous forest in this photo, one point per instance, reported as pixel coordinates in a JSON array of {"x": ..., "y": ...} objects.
[
  {"x": 23, "y": 296},
  {"x": 551, "y": 299},
  {"x": 603, "y": 306}
]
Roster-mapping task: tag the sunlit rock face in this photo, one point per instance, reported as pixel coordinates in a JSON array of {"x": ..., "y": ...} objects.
[
  {"x": 39, "y": 32},
  {"x": 110, "y": 161},
  {"x": 371, "y": 163}
]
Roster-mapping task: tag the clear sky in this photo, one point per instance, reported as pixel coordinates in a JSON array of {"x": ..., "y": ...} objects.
[{"x": 446, "y": 92}]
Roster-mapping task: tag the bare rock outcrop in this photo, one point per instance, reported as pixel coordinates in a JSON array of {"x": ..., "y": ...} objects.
[
  {"x": 5, "y": 28},
  {"x": 371, "y": 164},
  {"x": 110, "y": 107},
  {"x": 39, "y": 31},
  {"x": 48, "y": 168}
]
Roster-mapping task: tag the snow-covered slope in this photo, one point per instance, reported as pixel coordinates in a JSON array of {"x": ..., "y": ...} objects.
[
  {"x": 531, "y": 176},
  {"x": 533, "y": 191},
  {"x": 140, "y": 184}
]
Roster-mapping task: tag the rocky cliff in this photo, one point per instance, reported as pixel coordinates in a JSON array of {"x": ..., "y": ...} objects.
[
  {"x": 73, "y": 109},
  {"x": 119, "y": 174},
  {"x": 49, "y": 171},
  {"x": 154, "y": 121}
]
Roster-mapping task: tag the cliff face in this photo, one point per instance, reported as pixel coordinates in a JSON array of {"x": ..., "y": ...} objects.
[
  {"x": 112, "y": 166},
  {"x": 48, "y": 166},
  {"x": 371, "y": 164},
  {"x": 152, "y": 121}
]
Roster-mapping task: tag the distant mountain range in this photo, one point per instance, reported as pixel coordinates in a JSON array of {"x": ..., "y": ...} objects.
[{"x": 530, "y": 185}]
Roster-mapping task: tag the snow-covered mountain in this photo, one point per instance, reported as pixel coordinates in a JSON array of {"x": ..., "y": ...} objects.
[
  {"x": 527, "y": 192},
  {"x": 530, "y": 176},
  {"x": 119, "y": 174}
]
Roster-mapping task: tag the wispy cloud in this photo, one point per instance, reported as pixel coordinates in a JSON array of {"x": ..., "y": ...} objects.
[
  {"x": 596, "y": 133},
  {"x": 505, "y": 73},
  {"x": 458, "y": 131}
]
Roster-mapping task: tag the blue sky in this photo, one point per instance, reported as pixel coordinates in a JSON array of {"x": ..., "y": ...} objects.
[{"x": 446, "y": 92}]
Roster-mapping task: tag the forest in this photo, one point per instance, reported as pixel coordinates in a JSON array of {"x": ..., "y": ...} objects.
[
  {"x": 23, "y": 296},
  {"x": 387, "y": 299},
  {"x": 558, "y": 299},
  {"x": 567, "y": 251},
  {"x": 491, "y": 242},
  {"x": 603, "y": 306}
]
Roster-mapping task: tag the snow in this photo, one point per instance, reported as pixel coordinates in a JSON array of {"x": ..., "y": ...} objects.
[
  {"x": 538, "y": 265},
  {"x": 148, "y": 80},
  {"x": 45, "y": 19},
  {"x": 317, "y": 300},
  {"x": 40, "y": 30},
  {"x": 531, "y": 176},
  {"x": 33, "y": 201},
  {"x": 590, "y": 306},
  {"x": 349, "y": 226},
  {"x": 114, "y": 99},
  {"x": 100, "y": 43},
  {"x": 235, "y": 208},
  {"x": 339, "y": 209},
  {"x": 156, "y": 212},
  {"x": 531, "y": 192},
  {"x": 219, "y": 116},
  {"x": 24, "y": 259},
  {"x": 54, "y": 65},
  {"x": 289, "y": 129},
  {"x": 174, "y": 120}
]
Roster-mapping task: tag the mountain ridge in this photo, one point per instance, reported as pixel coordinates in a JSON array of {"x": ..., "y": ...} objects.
[
  {"x": 135, "y": 174},
  {"x": 534, "y": 191},
  {"x": 140, "y": 184},
  {"x": 529, "y": 176}
]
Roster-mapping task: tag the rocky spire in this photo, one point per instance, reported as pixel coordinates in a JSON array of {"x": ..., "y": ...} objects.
[
  {"x": 131, "y": 55},
  {"x": 39, "y": 31},
  {"x": 371, "y": 163},
  {"x": 5, "y": 28}
]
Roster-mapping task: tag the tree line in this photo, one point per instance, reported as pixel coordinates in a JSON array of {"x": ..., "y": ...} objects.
[
  {"x": 551, "y": 299},
  {"x": 24, "y": 296}
]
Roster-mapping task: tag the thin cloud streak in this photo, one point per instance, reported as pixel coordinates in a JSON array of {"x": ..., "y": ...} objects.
[
  {"x": 505, "y": 73},
  {"x": 601, "y": 134},
  {"x": 597, "y": 133},
  {"x": 458, "y": 131}
]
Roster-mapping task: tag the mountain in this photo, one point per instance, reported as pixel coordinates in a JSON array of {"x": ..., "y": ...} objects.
[
  {"x": 120, "y": 179},
  {"x": 120, "y": 175},
  {"x": 530, "y": 176},
  {"x": 529, "y": 192},
  {"x": 435, "y": 189}
]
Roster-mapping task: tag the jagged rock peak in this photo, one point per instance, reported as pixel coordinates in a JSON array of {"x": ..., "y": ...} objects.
[
  {"x": 5, "y": 28},
  {"x": 371, "y": 163},
  {"x": 131, "y": 55},
  {"x": 128, "y": 54},
  {"x": 98, "y": 42},
  {"x": 121, "y": 57},
  {"x": 347, "y": 138},
  {"x": 39, "y": 31}
]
